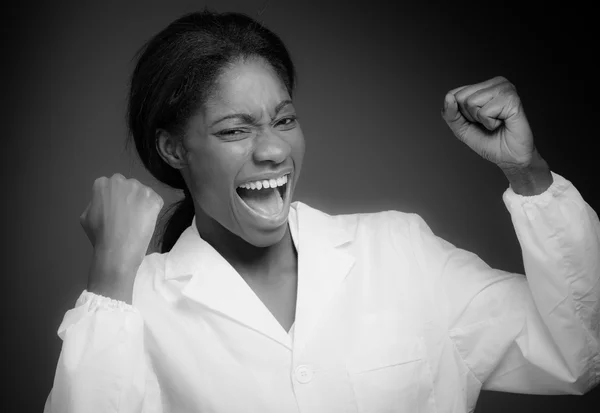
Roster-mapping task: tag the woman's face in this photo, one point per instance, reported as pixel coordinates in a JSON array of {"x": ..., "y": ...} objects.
[{"x": 244, "y": 153}]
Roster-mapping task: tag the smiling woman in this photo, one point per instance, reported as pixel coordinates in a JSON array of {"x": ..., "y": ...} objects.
[
  {"x": 260, "y": 304},
  {"x": 245, "y": 132},
  {"x": 211, "y": 97}
]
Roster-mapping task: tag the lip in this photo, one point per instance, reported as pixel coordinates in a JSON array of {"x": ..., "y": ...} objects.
[
  {"x": 265, "y": 177},
  {"x": 271, "y": 221}
]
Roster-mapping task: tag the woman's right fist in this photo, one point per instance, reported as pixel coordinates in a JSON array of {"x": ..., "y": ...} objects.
[{"x": 119, "y": 222}]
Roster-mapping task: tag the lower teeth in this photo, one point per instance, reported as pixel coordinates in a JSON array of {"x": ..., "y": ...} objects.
[{"x": 264, "y": 201}]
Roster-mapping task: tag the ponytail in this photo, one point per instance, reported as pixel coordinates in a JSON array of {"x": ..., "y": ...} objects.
[
  {"x": 178, "y": 222},
  {"x": 176, "y": 71}
]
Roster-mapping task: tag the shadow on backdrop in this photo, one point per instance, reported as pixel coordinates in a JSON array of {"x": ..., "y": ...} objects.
[{"x": 372, "y": 78}]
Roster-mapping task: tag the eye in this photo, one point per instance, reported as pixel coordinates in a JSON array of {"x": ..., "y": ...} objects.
[
  {"x": 231, "y": 133},
  {"x": 287, "y": 122}
]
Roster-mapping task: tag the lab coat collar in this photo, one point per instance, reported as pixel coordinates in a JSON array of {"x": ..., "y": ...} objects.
[{"x": 214, "y": 283}]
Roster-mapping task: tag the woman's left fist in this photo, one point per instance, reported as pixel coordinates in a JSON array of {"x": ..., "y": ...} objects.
[{"x": 489, "y": 118}]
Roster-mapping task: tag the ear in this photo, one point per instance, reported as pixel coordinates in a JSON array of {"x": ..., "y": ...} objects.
[{"x": 170, "y": 149}]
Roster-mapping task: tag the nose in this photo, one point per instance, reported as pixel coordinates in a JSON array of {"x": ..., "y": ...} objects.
[{"x": 270, "y": 147}]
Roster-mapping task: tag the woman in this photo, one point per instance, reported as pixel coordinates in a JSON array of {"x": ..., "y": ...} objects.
[{"x": 257, "y": 304}]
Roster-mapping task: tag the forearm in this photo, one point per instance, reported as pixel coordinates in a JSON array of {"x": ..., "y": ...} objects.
[
  {"x": 559, "y": 234},
  {"x": 532, "y": 179},
  {"x": 110, "y": 280}
]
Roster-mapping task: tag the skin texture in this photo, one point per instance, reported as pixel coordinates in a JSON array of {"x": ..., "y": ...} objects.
[
  {"x": 489, "y": 118},
  {"x": 216, "y": 156},
  {"x": 119, "y": 222}
]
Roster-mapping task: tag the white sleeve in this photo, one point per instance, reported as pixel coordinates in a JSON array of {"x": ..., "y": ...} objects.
[
  {"x": 538, "y": 334},
  {"x": 102, "y": 365}
]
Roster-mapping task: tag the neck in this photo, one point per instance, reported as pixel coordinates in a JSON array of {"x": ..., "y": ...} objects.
[{"x": 259, "y": 263}]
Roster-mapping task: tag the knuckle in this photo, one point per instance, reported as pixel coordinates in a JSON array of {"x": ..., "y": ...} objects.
[
  {"x": 506, "y": 85},
  {"x": 118, "y": 177},
  {"x": 509, "y": 91},
  {"x": 155, "y": 197},
  {"x": 515, "y": 99},
  {"x": 470, "y": 100},
  {"x": 159, "y": 200},
  {"x": 135, "y": 185},
  {"x": 100, "y": 181}
]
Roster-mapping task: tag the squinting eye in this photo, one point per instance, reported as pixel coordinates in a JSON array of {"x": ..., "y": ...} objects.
[
  {"x": 287, "y": 121},
  {"x": 230, "y": 132}
]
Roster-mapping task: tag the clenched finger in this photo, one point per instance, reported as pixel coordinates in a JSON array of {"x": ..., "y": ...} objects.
[{"x": 462, "y": 94}]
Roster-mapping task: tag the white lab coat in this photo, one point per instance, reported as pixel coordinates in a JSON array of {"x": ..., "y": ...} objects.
[{"x": 389, "y": 318}]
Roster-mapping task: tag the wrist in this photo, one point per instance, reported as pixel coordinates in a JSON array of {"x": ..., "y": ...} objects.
[
  {"x": 116, "y": 292},
  {"x": 106, "y": 277},
  {"x": 531, "y": 179}
]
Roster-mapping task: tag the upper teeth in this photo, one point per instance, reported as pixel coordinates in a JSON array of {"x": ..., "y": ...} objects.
[{"x": 267, "y": 183}]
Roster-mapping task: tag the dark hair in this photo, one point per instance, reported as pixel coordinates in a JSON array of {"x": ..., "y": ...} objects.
[{"x": 175, "y": 73}]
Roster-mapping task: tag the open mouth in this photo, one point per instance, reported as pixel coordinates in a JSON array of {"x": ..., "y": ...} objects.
[{"x": 265, "y": 198}]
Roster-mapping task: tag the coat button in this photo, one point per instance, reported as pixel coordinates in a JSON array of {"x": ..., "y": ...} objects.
[{"x": 303, "y": 374}]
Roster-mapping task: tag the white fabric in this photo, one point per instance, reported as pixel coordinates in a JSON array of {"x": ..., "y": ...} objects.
[{"x": 389, "y": 318}]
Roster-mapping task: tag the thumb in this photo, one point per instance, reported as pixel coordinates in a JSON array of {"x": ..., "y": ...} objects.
[{"x": 453, "y": 117}]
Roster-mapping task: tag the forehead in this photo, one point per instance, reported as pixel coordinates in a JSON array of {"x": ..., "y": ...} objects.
[{"x": 249, "y": 86}]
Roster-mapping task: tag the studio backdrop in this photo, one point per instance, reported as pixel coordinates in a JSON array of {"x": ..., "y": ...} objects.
[{"x": 372, "y": 78}]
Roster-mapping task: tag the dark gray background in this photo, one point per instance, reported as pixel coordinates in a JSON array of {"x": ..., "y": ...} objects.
[{"x": 372, "y": 77}]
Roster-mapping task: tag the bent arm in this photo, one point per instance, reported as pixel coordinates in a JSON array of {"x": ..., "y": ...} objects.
[
  {"x": 538, "y": 334},
  {"x": 102, "y": 365},
  {"x": 559, "y": 235}
]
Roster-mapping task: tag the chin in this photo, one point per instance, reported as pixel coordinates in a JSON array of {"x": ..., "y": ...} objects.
[{"x": 263, "y": 238}]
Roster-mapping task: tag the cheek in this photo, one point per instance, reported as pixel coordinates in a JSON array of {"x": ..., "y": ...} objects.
[
  {"x": 214, "y": 168},
  {"x": 298, "y": 148}
]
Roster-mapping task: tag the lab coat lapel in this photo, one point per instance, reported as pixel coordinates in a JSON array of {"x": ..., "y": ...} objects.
[
  {"x": 214, "y": 283},
  {"x": 323, "y": 264}
]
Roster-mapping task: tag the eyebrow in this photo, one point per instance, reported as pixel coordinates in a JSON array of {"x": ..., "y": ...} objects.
[{"x": 249, "y": 118}]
